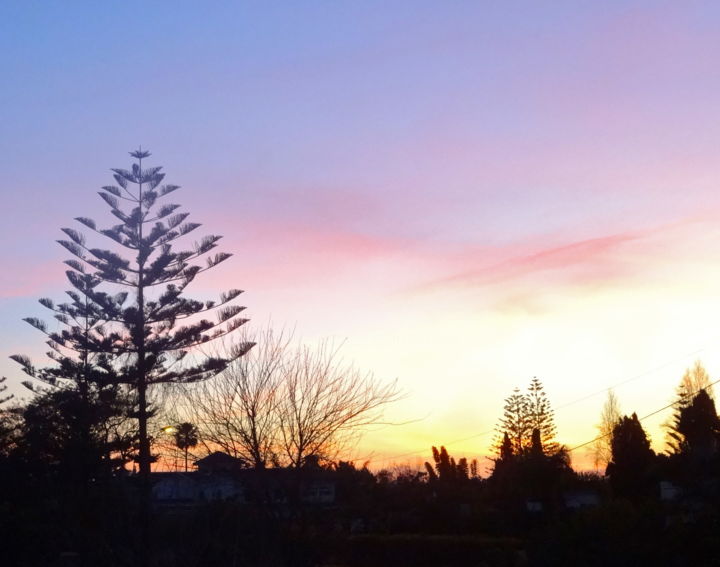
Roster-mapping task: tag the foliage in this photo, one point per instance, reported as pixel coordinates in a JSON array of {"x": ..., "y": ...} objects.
[
  {"x": 694, "y": 381},
  {"x": 601, "y": 448},
  {"x": 514, "y": 424},
  {"x": 506, "y": 448},
  {"x": 283, "y": 405},
  {"x": 325, "y": 403},
  {"x": 522, "y": 414},
  {"x": 80, "y": 407},
  {"x": 10, "y": 426},
  {"x": 446, "y": 469},
  {"x": 128, "y": 321},
  {"x": 146, "y": 340},
  {"x": 237, "y": 411},
  {"x": 632, "y": 459},
  {"x": 533, "y": 474},
  {"x": 77, "y": 438},
  {"x": 699, "y": 426},
  {"x": 186, "y": 437},
  {"x": 3, "y": 387},
  {"x": 540, "y": 417}
]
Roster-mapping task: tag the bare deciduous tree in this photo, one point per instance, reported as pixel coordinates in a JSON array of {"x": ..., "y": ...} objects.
[
  {"x": 236, "y": 412},
  {"x": 601, "y": 449},
  {"x": 282, "y": 404},
  {"x": 326, "y": 403}
]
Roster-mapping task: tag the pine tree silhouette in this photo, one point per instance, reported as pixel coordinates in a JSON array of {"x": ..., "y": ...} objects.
[{"x": 146, "y": 332}]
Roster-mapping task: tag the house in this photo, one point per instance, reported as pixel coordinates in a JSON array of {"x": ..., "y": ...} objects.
[
  {"x": 222, "y": 477},
  {"x": 219, "y": 462},
  {"x": 220, "y": 488},
  {"x": 183, "y": 490},
  {"x": 174, "y": 490}
]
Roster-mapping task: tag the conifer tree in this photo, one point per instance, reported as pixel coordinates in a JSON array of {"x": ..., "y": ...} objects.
[
  {"x": 523, "y": 413},
  {"x": 541, "y": 417},
  {"x": 632, "y": 458},
  {"x": 514, "y": 423},
  {"x": 694, "y": 380},
  {"x": 143, "y": 331},
  {"x": 699, "y": 426}
]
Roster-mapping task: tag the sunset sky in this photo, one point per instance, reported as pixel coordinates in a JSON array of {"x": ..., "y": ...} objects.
[{"x": 469, "y": 194}]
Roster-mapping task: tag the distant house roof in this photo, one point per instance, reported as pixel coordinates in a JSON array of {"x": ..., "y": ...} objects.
[{"x": 220, "y": 462}]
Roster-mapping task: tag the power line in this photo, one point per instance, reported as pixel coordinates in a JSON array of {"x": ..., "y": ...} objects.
[
  {"x": 369, "y": 459},
  {"x": 641, "y": 418},
  {"x": 632, "y": 378}
]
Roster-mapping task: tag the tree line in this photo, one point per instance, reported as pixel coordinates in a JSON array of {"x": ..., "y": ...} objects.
[
  {"x": 132, "y": 355},
  {"x": 138, "y": 369}
]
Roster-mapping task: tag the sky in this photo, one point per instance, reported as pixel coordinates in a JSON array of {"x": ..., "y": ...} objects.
[{"x": 466, "y": 194}]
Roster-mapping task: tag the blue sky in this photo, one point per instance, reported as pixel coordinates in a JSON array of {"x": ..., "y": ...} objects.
[{"x": 484, "y": 191}]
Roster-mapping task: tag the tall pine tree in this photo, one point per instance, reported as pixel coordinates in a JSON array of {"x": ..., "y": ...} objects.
[
  {"x": 523, "y": 413},
  {"x": 694, "y": 381},
  {"x": 514, "y": 426},
  {"x": 145, "y": 332},
  {"x": 541, "y": 417}
]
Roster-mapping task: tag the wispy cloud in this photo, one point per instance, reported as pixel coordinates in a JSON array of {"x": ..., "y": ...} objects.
[
  {"x": 29, "y": 279},
  {"x": 587, "y": 261}
]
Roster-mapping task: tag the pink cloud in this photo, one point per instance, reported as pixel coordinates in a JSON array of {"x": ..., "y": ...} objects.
[
  {"x": 619, "y": 257},
  {"x": 28, "y": 279},
  {"x": 283, "y": 255},
  {"x": 275, "y": 254},
  {"x": 588, "y": 261}
]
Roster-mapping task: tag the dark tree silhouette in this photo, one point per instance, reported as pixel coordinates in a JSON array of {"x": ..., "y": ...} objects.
[
  {"x": 536, "y": 444},
  {"x": 506, "y": 448},
  {"x": 632, "y": 459},
  {"x": 698, "y": 427},
  {"x": 694, "y": 381},
  {"x": 237, "y": 411},
  {"x": 149, "y": 332},
  {"x": 186, "y": 437},
  {"x": 93, "y": 409},
  {"x": 75, "y": 438},
  {"x": 446, "y": 469},
  {"x": 10, "y": 422},
  {"x": 325, "y": 404},
  {"x": 514, "y": 426},
  {"x": 523, "y": 413},
  {"x": 284, "y": 404},
  {"x": 541, "y": 418},
  {"x": 3, "y": 387},
  {"x": 532, "y": 474}
]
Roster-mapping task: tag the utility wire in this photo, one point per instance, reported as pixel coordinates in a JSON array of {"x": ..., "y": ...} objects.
[
  {"x": 368, "y": 458},
  {"x": 657, "y": 411}
]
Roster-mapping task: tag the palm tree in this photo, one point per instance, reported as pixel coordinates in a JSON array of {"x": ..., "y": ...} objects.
[{"x": 186, "y": 436}]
